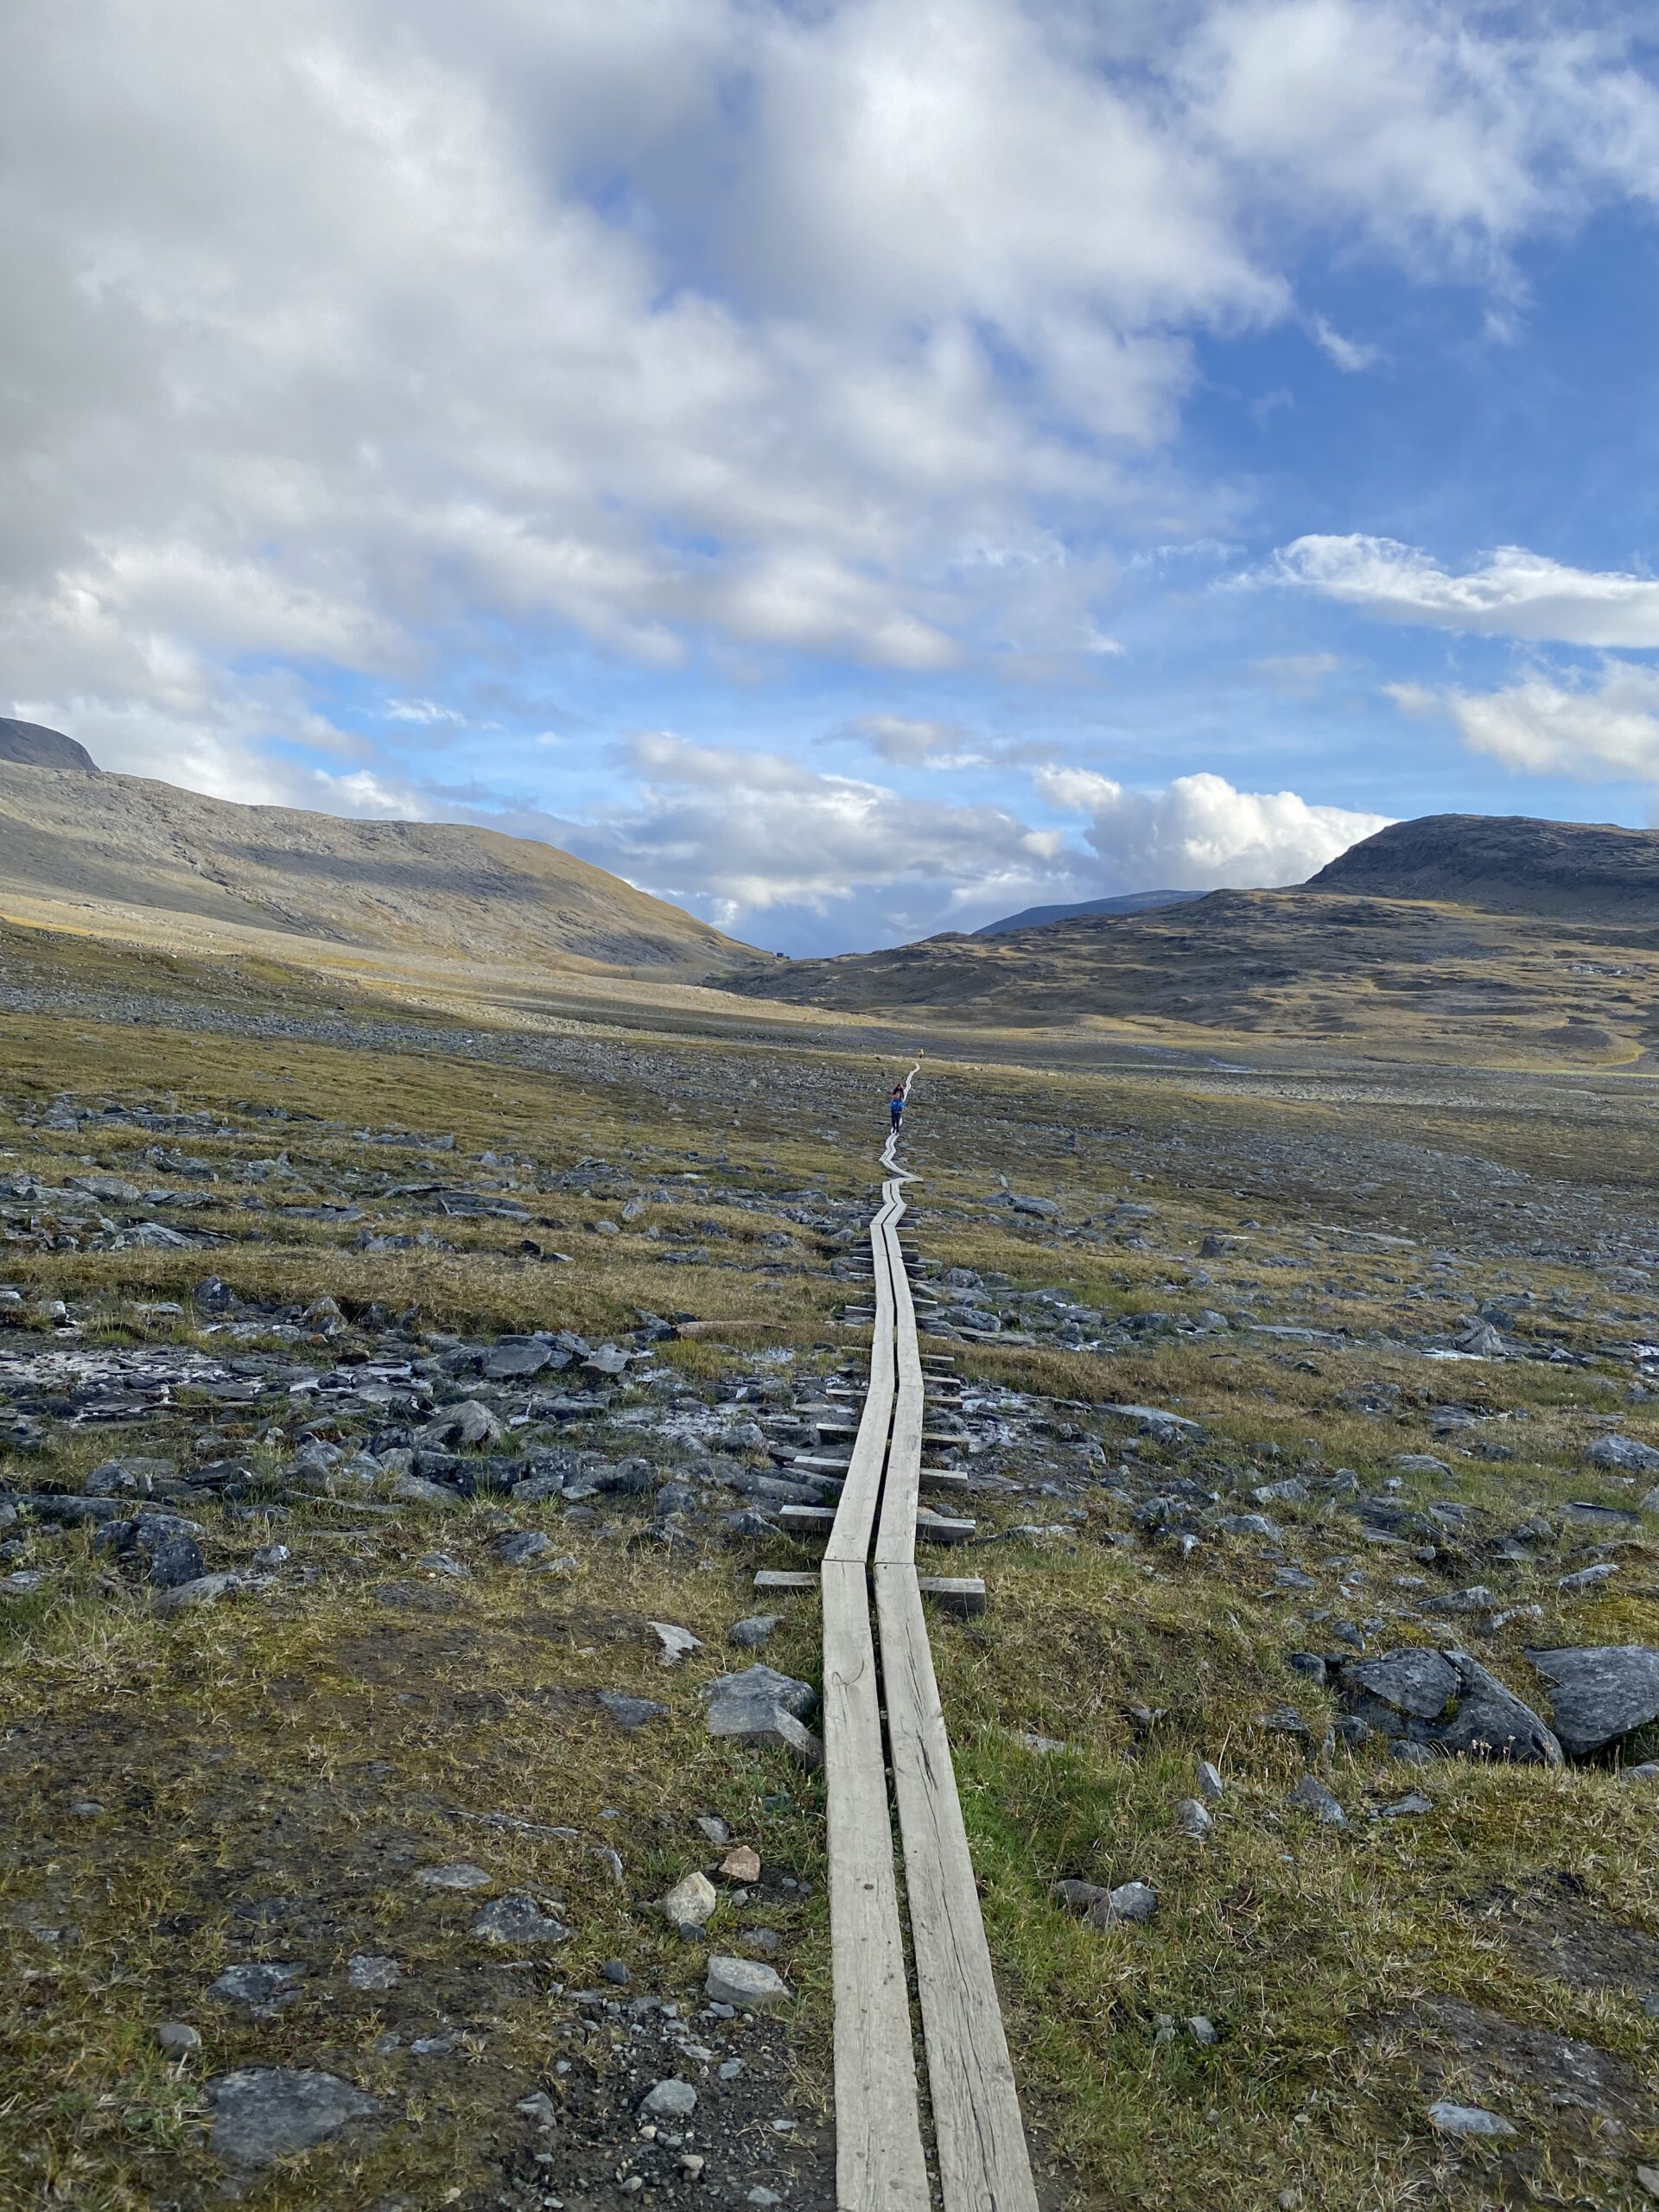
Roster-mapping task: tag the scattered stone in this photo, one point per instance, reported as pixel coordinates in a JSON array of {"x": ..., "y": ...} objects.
[
  {"x": 1203, "y": 2031},
  {"x": 745, "y": 1982},
  {"x": 760, "y": 1706},
  {"x": 628, "y": 1712},
  {"x": 749, "y": 1634},
  {"x": 415, "y": 1489},
  {"x": 264, "y": 2113},
  {"x": 263, "y": 1988},
  {"x": 178, "y": 2038},
  {"x": 741, "y": 1865},
  {"x": 1408, "y": 1807},
  {"x": 690, "y": 1901},
  {"x": 1192, "y": 1819},
  {"x": 371, "y": 1974},
  {"x": 524, "y": 1548},
  {"x": 1311, "y": 1796},
  {"x": 1212, "y": 1788},
  {"x": 671, "y": 2100},
  {"x": 673, "y": 1643},
  {"x": 1467, "y": 2120},
  {"x": 540, "y": 2108},
  {"x": 518, "y": 1919},
  {"x": 462, "y": 1875}
]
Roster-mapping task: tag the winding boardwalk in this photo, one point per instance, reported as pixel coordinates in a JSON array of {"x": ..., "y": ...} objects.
[{"x": 979, "y": 2140}]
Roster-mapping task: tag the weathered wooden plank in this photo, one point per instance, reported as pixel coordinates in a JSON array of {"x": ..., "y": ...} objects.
[
  {"x": 850, "y": 1538},
  {"x": 780, "y": 1581},
  {"x": 982, "y": 2160},
  {"x": 878, "y": 2160},
  {"x": 942, "y": 1528},
  {"x": 953, "y": 1593},
  {"x": 895, "y": 1542}
]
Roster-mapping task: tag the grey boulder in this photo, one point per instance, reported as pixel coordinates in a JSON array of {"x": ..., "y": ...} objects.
[
  {"x": 1599, "y": 1692},
  {"x": 262, "y": 2112},
  {"x": 1624, "y": 1454},
  {"x": 762, "y": 1706},
  {"x": 1445, "y": 1697}
]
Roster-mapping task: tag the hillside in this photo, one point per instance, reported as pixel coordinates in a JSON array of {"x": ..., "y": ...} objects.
[
  {"x": 123, "y": 845},
  {"x": 1416, "y": 979},
  {"x": 31, "y": 745},
  {"x": 1510, "y": 864},
  {"x": 1127, "y": 902}
]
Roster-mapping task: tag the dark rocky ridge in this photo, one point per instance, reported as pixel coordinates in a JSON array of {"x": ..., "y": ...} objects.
[
  {"x": 33, "y": 746},
  {"x": 1127, "y": 902},
  {"x": 1507, "y": 864}
]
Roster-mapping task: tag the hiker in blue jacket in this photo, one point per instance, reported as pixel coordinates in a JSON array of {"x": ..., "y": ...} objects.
[{"x": 896, "y": 1106}]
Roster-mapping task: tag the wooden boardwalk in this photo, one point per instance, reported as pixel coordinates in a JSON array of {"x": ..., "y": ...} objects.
[{"x": 979, "y": 2140}]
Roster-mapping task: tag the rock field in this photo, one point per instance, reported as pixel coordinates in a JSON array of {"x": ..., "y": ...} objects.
[{"x": 412, "y": 1801}]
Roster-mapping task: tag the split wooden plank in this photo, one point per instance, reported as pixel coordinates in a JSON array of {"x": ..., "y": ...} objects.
[
  {"x": 879, "y": 2165},
  {"x": 850, "y": 1538},
  {"x": 984, "y": 2165}
]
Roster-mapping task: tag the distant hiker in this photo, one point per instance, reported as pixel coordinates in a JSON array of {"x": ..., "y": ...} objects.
[{"x": 896, "y": 1106}]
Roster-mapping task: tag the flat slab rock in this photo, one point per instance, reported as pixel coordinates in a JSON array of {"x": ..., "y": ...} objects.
[
  {"x": 262, "y": 2112},
  {"x": 1599, "y": 1692},
  {"x": 1448, "y": 1699},
  {"x": 760, "y": 1706}
]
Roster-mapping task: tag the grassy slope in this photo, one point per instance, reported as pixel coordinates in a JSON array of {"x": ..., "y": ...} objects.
[
  {"x": 322, "y": 1732},
  {"x": 1401, "y": 980}
]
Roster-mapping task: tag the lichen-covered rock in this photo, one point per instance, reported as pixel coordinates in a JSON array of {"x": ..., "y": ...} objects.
[
  {"x": 1445, "y": 1697},
  {"x": 1599, "y": 1692}
]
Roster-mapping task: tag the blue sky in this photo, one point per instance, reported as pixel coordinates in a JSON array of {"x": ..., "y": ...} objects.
[{"x": 856, "y": 470}]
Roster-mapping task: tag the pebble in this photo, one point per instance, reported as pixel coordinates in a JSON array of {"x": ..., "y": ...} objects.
[
  {"x": 518, "y": 1919},
  {"x": 670, "y": 2099},
  {"x": 745, "y": 1982},
  {"x": 462, "y": 1876},
  {"x": 1192, "y": 1819},
  {"x": 1467, "y": 2120},
  {"x": 749, "y": 1634},
  {"x": 690, "y": 1901},
  {"x": 369, "y": 1972},
  {"x": 1212, "y": 1788},
  {"x": 178, "y": 2038},
  {"x": 1309, "y": 1796},
  {"x": 673, "y": 1643}
]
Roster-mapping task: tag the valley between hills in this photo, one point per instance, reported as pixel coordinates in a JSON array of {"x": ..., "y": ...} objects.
[{"x": 407, "y": 1350}]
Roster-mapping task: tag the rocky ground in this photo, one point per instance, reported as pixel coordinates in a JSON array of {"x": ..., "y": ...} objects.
[{"x": 410, "y": 1801}]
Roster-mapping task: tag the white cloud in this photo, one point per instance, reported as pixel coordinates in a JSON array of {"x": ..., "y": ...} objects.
[
  {"x": 907, "y": 743},
  {"x": 1547, "y": 724},
  {"x": 1201, "y": 834},
  {"x": 740, "y": 833},
  {"x": 1350, "y": 355},
  {"x": 1515, "y": 593}
]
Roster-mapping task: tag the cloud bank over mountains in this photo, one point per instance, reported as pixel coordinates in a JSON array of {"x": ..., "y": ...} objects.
[{"x": 560, "y": 369}]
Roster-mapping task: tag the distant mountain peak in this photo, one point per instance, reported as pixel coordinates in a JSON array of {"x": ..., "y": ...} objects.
[
  {"x": 1126, "y": 902},
  {"x": 31, "y": 745},
  {"x": 1507, "y": 864}
]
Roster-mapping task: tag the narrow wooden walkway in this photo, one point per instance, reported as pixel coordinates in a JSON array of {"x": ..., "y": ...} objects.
[{"x": 979, "y": 2140}]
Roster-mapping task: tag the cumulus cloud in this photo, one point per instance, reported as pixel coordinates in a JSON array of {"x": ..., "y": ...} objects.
[
  {"x": 1603, "y": 726},
  {"x": 773, "y": 849},
  {"x": 337, "y": 326},
  {"x": 1200, "y": 833},
  {"x": 356, "y": 344},
  {"x": 741, "y": 833},
  {"x": 907, "y": 741},
  {"x": 1515, "y": 593}
]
